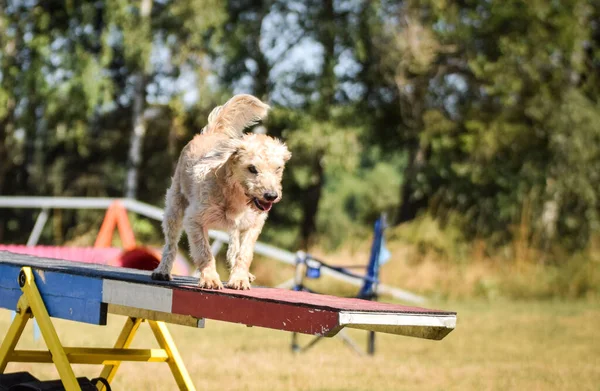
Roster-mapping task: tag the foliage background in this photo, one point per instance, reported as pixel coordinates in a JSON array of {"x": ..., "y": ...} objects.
[{"x": 472, "y": 124}]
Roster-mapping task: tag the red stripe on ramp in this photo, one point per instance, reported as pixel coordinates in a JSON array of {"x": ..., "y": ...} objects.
[{"x": 254, "y": 312}]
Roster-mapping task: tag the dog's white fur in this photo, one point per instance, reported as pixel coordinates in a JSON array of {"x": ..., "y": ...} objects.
[{"x": 221, "y": 181}]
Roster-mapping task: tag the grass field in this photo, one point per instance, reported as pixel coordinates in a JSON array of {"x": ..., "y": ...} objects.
[{"x": 496, "y": 346}]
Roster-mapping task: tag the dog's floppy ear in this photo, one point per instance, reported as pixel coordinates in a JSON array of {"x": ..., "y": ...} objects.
[
  {"x": 284, "y": 151},
  {"x": 215, "y": 159},
  {"x": 287, "y": 156}
]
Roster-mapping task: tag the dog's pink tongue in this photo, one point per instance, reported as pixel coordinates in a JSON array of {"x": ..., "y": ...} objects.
[{"x": 266, "y": 205}]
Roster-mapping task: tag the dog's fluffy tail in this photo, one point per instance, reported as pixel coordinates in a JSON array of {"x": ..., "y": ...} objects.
[{"x": 237, "y": 114}]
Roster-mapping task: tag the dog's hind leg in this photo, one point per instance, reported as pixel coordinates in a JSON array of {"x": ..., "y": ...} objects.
[
  {"x": 172, "y": 225},
  {"x": 202, "y": 255}
]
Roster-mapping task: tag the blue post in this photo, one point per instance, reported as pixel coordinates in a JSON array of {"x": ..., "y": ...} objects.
[{"x": 367, "y": 290}]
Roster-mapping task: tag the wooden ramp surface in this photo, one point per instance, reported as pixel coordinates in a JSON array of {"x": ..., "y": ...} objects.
[{"x": 87, "y": 292}]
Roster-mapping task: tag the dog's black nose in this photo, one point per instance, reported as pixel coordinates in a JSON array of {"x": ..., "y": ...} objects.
[{"x": 270, "y": 196}]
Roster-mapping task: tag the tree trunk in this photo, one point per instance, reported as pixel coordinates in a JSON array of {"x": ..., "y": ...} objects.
[
  {"x": 327, "y": 81},
  {"x": 409, "y": 205},
  {"x": 310, "y": 206},
  {"x": 412, "y": 108},
  {"x": 327, "y": 34},
  {"x": 38, "y": 172},
  {"x": 5, "y": 160},
  {"x": 262, "y": 85},
  {"x": 139, "y": 125},
  {"x": 137, "y": 137},
  {"x": 550, "y": 215}
]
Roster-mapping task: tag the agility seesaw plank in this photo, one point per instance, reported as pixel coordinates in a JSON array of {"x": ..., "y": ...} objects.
[{"x": 87, "y": 292}]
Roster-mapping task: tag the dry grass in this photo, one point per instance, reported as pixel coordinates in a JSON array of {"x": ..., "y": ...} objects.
[
  {"x": 439, "y": 263},
  {"x": 496, "y": 346}
]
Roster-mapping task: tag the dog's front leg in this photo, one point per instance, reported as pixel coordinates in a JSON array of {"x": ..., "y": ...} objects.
[
  {"x": 233, "y": 253},
  {"x": 202, "y": 255},
  {"x": 239, "y": 255}
]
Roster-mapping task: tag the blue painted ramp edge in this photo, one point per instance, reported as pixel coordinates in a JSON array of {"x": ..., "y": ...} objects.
[{"x": 67, "y": 296}]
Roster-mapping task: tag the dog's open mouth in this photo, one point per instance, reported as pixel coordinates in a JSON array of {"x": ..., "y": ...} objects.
[{"x": 265, "y": 206}]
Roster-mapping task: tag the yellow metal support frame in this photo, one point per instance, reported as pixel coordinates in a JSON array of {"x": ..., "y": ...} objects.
[{"x": 31, "y": 305}]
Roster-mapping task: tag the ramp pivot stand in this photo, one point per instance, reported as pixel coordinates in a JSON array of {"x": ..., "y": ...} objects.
[{"x": 31, "y": 305}]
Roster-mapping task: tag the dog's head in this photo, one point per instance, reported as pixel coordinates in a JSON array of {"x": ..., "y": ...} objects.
[
  {"x": 257, "y": 166},
  {"x": 255, "y": 163}
]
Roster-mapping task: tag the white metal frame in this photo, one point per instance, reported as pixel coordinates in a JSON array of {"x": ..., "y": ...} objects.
[{"x": 152, "y": 212}]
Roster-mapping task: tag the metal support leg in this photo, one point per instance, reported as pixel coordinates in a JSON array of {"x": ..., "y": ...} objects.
[
  {"x": 341, "y": 334},
  {"x": 312, "y": 343},
  {"x": 31, "y": 305},
  {"x": 295, "y": 346},
  {"x": 165, "y": 341},
  {"x": 348, "y": 341},
  {"x": 127, "y": 333},
  {"x": 59, "y": 357},
  {"x": 371, "y": 343},
  {"x": 14, "y": 332}
]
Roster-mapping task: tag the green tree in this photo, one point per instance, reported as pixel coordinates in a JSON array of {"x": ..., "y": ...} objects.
[{"x": 500, "y": 83}]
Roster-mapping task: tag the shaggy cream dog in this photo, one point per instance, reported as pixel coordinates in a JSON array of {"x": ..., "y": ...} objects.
[{"x": 227, "y": 180}]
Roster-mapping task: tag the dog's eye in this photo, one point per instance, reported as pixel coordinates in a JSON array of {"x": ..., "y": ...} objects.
[{"x": 252, "y": 169}]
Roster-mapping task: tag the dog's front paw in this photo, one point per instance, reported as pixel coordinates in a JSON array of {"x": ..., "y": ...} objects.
[
  {"x": 161, "y": 276},
  {"x": 210, "y": 281},
  {"x": 252, "y": 277},
  {"x": 239, "y": 280}
]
